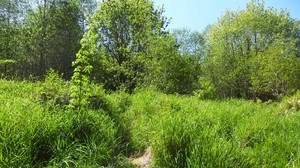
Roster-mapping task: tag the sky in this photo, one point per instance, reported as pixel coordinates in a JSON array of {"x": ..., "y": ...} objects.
[{"x": 195, "y": 15}]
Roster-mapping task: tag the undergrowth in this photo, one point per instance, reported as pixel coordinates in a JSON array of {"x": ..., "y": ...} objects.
[
  {"x": 37, "y": 132},
  {"x": 182, "y": 131},
  {"x": 186, "y": 132}
]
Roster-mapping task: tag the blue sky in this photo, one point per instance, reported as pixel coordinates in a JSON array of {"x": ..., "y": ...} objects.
[{"x": 197, "y": 14}]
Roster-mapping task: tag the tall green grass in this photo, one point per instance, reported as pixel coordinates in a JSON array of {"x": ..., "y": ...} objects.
[
  {"x": 38, "y": 130},
  {"x": 187, "y": 132}
]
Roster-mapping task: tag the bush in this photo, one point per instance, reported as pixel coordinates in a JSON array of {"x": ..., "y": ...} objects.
[
  {"x": 291, "y": 103},
  {"x": 98, "y": 99},
  {"x": 54, "y": 91},
  {"x": 206, "y": 91}
]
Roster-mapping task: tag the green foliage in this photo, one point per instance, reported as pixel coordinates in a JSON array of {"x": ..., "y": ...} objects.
[
  {"x": 42, "y": 34},
  {"x": 54, "y": 90},
  {"x": 5, "y": 66},
  {"x": 275, "y": 71},
  {"x": 80, "y": 89},
  {"x": 10, "y": 34},
  {"x": 189, "y": 43},
  {"x": 186, "y": 132},
  {"x": 7, "y": 61},
  {"x": 206, "y": 90},
  {"x": 135, "y": 51},
  {"x": 169, "y": 71},
  {"x": 125, "y": 30},
  {"x": 182, "y": 131},
  {"x": 252, "y": 53},
  {"x": 35, "y": 136},
  {"x": 290, "y": 104},
  {"x": 48, "y": 37}
]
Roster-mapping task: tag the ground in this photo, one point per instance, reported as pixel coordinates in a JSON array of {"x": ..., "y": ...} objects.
[{"x": 142, "y": 160}]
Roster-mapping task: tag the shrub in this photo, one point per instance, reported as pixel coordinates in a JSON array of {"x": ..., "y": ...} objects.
[
  {"x": 206, "y": 91},
  {"x": 98, "y": 99},
  {"x": 291, "y": 103},
  {"x": 54, "y": 90}
]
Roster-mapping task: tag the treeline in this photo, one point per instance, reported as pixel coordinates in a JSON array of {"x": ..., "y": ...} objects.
[
  {"x": 251, "y": 53},
  {"x": 40, "y": 34}
]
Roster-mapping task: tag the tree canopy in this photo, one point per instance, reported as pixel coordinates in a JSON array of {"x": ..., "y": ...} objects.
[
  {"x": 124, "y": 45},
  {"x": 253, "y": 53}
]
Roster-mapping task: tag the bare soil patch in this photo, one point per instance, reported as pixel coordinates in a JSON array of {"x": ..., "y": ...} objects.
[{"x": 142, "y": 160}]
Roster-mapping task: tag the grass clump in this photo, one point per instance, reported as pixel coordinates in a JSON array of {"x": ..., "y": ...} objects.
[{"x": 291, "y": 104}]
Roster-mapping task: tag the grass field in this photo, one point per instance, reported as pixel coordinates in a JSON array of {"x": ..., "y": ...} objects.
[{"x": 37, "y": 130}]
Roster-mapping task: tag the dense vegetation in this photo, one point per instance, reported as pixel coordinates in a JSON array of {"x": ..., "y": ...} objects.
[
  {"x": 37, "y": 129},
  {"x": 251, "y": 53},
  {"x": 87, "y": 86}
]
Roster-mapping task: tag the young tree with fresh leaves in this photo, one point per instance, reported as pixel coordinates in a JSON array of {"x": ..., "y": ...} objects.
[{"x": 80, "y": 88}]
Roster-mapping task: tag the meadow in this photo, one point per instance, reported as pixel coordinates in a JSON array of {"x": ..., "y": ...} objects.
[
  {"x": 37, "y": 129},
  {"x": 89, "y": 83}
]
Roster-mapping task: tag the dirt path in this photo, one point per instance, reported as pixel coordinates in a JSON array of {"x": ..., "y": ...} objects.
[{"x": 143, "y": 160}]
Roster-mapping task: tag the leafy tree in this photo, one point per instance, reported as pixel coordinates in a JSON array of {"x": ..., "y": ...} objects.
[
  {"x": 242, "y": 43},
  {"x": 87, "y": 9},
  {"x": 168, "y": 70},
  {"x": 65, "y": 36},
  {"x": 11, "y": 20},
  {"x": 125, "y": 29},
  {"x": 80, "y": 90},
  {"x": 275, "y": 72},
  {"x": 53, "y": 33},
  {"x": 133, "y": 49}
]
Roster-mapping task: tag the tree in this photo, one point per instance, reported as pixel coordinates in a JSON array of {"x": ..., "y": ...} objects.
[
  {"x": 168, "y": 70},
  {"x": 80, "y": 90},
  {"x": 190, "y": 52},
  {"x": 189, "y": 43},
  {"x": 11, "y": 20},
  {"x": 275, "y": 72},
  {"x": 87, "y": 9},
  {"x": 65, "y": 36},
  {"x": 236, "y": 43},
  {"x": 53, "y": 34},
  {"x": 134, "y": 50},
  {"x": 125, "y": 29}
]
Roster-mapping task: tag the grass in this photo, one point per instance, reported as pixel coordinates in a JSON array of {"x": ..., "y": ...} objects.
[
  {"x": 34, "y": 133},
  {"x": 37, "y": 130},
  {"x": 188, "y": 132}
]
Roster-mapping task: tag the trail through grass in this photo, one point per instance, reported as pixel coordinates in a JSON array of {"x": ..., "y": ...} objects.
[{"x": 36, "y": 129}]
